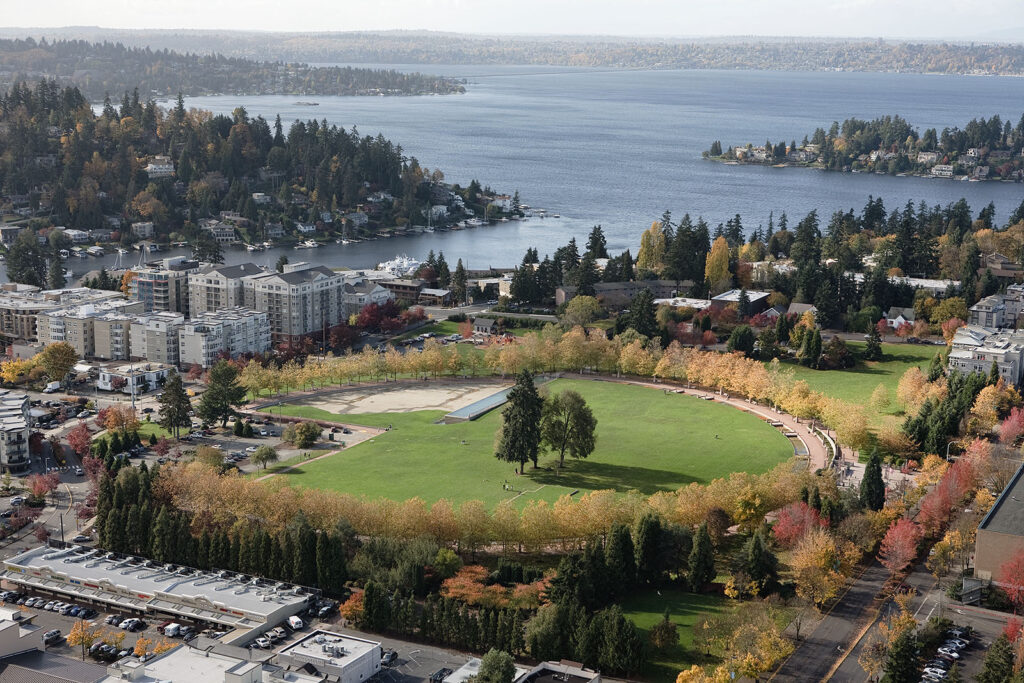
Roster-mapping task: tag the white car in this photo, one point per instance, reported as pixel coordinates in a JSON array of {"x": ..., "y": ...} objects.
[
  {"x": 250, "y": 449},
  {"x": 949, "y": 652},
  {"x": 263, "y": 642},
  {"x": 264, "y": 432}
]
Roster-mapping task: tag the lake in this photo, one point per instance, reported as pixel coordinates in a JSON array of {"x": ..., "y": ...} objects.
[{"x": 619, "y": 147}]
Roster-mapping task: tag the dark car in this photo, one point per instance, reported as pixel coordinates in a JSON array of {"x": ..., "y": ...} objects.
[{"x": 388, "y": 657}]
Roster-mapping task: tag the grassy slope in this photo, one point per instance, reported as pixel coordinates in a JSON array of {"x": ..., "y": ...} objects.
[
  {"x": 856, "y": 384},
  {"x": 647, "y": 440},
  {"x": 646, "y": 609}
]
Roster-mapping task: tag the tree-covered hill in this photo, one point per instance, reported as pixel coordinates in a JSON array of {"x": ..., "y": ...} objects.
[{"x": 101, "y": 68}]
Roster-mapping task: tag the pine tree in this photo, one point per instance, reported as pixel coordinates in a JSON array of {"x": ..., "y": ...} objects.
[
  {"x": 223, "y": 393},
  {"x": 459, "y": 283},
  {"x": 872, "y": 488},
  {"x": 901, "y": 663},
  {"x": 761, "y": 564},
  {"x": 520, "y": 434},
  {"x": 993, "y": 374},
  {"x": 935, "y": 369},
  {"x": 998, "y": 666},
  {"x": 702, "y": 560},
  {"x": 873, "y": 349},
  {"x": 621, "y": 558},
  {"x": 642, "y": 315},
  {"x": 648, "y": 548}
]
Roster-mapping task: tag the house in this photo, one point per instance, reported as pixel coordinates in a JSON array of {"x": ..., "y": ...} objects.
[
  {"x": 305, "y": 228},
  {"x": 430, "y": 296},
  {"x": 438, "y": 211},
  {"x": 1002, "y": 267},
  {"x": 143, "y": 230},
  {"x": 357, "y": 218},
  {"x": 160, "y": 167},
  {"x": 898, "y": 315},
  {"x": 9, "y": 233},
  {"x": 76, "y": 236},
  {"x": 485, "y": 326},
  {"x": 774, "y": 312},
  {"x": 404, "y": 290},
  {"x": 261, "y": 199},
  {"x": 799, "y": 309},
  {"x": 361, "y": 293},
  {"x": 927, "y": 157},
  {"x": 942, "y": 170},
  {"x": 980, "y": 173},
  {"x": 222, "y": 232},
  {"x": 275, "y": 231}
]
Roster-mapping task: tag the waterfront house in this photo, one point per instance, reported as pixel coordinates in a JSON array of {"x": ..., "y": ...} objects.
[{"x": 942, "y": 170}]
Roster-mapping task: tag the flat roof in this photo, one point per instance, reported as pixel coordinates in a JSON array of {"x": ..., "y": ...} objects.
[
  {"x": 734, "y": 295},
  {"x": 185, "y": 664},
  {"x": 327, "y": 648},
  {"x": 1007, "y": 514},
  {"x": 92, "y": 573}
]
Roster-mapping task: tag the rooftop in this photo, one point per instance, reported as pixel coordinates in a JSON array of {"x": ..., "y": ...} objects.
[
  {"x": 93, "y": 573},
  {"x": 44, "y": 667},
  {"x": 183, "y": 664},
  {"x": 684, "y": 302},
  {"x": 1007, "y": 515},
  {"x": 326, "y": 648},
  {"x": 733, "y": 296},
  {"x": 298, "y": 277},
  {"x": 13, "y": 407},
  {"x": 239, "y": 270}
]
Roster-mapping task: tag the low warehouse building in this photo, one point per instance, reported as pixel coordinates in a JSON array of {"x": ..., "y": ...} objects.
[
  {"x": 136, "y": 585},
  {"x": 343, "y": 658}
]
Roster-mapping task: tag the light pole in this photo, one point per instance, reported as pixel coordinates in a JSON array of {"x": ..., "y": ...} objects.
[{"x": 947, "y": 449}]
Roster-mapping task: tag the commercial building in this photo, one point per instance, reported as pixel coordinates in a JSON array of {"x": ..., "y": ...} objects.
[
  {"x": 758, "y": 300},
  {"x": 346, "y": 659},
  {"x": 215, "y": 287},
  {"x": 133, "y": 379},
  {"x": 211, "y": 664},
  {"x": 684, "y": 302},
  {"x": 300, "y": 301},
  {"x": 155, "y": 337},
  {"x": 560, "y": 672},
  {"x": 136, "y": 585},
  {"x": 14, "y": 432},
  {"x": 1001, "y": 533},
  {"x": 163, "y": 285},
  {"x": 232, "y": 331},
  {"x": 404, "y": 290},
  {"x": 23, "y": 655},
  {"x": 975, "y": 348}
]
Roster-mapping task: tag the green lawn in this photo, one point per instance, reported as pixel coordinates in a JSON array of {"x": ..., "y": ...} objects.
[
  {"x": 647, "y": 440},
  {"x": 647, "y": 608},
  {"x": 856, "y": 384}
]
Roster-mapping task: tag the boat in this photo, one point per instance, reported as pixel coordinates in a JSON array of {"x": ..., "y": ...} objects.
[
  {"x": 95, "y": 251},
  {"x": 122, "y": 251},
  {"x": 68, "y": 274},
  {"x": 308, "y": 244},
  {"x": 254, "y": 247},
  {"x": 300, "y": 103},
  {"x": 64, "y": 253},
  {"x": 556, "y": 216},
  {"x": 400, "y": 265}
]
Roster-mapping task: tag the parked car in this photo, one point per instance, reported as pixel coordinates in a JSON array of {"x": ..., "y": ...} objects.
[
  {"x": 112, "y": 620},
  {"x": 250, "y": 449},
  {"x": 52, "y": 636},
  {"x": 17, "y": 500},
  {"x": 929, "y": 671},
  {"x": 264, "y": 432},
  {"x": 949, "y": 652},
  {"x": 79, "y": 472},
  {"x": 81, "y": 538},
  {"x": 187, "y": 632},
  {"x": 388, "y": 657},
  {"x": 263, "y": 643},
  {"x": 958, "y": 642},
  {"x": 49, "y": 605}
]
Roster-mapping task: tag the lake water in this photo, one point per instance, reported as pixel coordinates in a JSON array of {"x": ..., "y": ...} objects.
[{"x": 619, "y": 147}]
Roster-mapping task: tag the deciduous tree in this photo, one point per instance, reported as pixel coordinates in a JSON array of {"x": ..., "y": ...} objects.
[
  {"x": 899, "y": 546},
  {"x": 568, "y": 424},
  {"x": 57, "y": 360}
]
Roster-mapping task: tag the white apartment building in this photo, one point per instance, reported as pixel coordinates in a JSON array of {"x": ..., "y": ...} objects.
[
  {"x": 216, "y": 287},
  {"x": 232, "y": 331},
  {"x": 975, "y": 348},
  {"x": 14, "y": 432},
  {"x": 155, "y": 337},
  {"x": 302, "y": 300},
  {"x": 358, "y": 293},
  {"x": 138, "y": 379},
  {"x": 143, "y": 230}
]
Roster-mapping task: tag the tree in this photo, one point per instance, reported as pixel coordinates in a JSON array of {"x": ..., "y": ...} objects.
[
  {"x": 664, "y": 634},
  {"x": 642, "y": 316},
  {"x": 998, "y": 667},
  {"x": 620, "y": 558},
  {"x": 496, "y": 667},
  {"x": 57, "y": 360},
  {"x": 282, "y": 261},
  {"x": 519, "y": 436},
  {"x": 26, "y": 260},
  {"x": 702, "y": 560},
  {"x": 581, "y": 310},
  {"x": 761, "y": 564},
  {"x": 302, "y": 434},
  {"x": 80, "y": 439},
  {"x": 223, "y": 393},
  {"x": 716, "y": 269},
  {"x": 899, "y": 546},
  {"x": 459, "y": 282},
  {"x": 83, "y": 634},
  {"x": 880, "y": 399},
  {"x": 568, "y": 424},
  {"x": 55, "y": 273},
  {"x": 120, "y": 419},
  {"x": 742, "y": 340},
  {"x": 651, "y": 257},
  {"x": 597, "y": 245},
  {"x": 1011, "y": 578},
  {"x": 873, "y": 349},
  {"x": 872, "y": 488},
  {"x": 175, "y": 405},
  {"x": 901, "y": 664},
  {"x": 263, "y": 456},
  {"x": 207, "y": 249}
]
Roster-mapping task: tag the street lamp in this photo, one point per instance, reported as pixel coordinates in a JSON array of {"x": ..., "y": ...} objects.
[{"x": 947, "y": 449}]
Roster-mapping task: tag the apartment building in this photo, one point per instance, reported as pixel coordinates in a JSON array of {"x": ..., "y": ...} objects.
[
  {"x": 154, "y": 337},
  {"x": 21, "y": 304},
  {"x": 76, "y": 325},
  {"x": 163, "y": 285},
  {"x": 112, "y": 334},
  {"x": 975, "y": 348},
  {"x": 359, "y": 293},
  {"x": 216, "y": 287},
  {"x": 232, "y": 331},
  {"x": 14, "y": 432},
  {"x": 302, "y": 300}
]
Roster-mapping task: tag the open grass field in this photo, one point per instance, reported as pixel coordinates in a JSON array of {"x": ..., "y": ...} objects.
[
  {"x": 647, "y": 440},
  {"x": 856, "y": 384},
  {"x": 645, "y": 609}
]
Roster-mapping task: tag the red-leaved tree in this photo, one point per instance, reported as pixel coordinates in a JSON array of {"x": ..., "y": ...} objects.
[
  {"x": 1011, "y": 579},
  {"x": 794, "y": 521},
  {"x": 162, "y": 447},
  {"x": 195, "y": 371},
  {"x": 950, "y": 327},
  {"x": 899, "y": 547},
  {"x": 882, "y": 326},
  {"x": 904, "y": 330},
  {"x": 80, "y": 439},
  {"x": 1012, "y": 427},
  {"x": 1012, "y": 629},
  {"x": 41, "y": 484}
]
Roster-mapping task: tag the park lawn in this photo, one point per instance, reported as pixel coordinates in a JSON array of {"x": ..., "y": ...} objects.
[
  {"x": 646, "y": 440},
  {"x": 856, "y": 384},
  {"x": 647, "y": 608}
]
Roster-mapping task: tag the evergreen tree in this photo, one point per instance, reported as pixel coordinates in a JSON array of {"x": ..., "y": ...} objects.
[
  {"x": 873, "y": 350},
  {"x": 761, "y": 564},
  {"x": 998, "y": 667},
  {"x": 642, "y": 315},
  {"x": 872, "y": 488},
  {"x": 459, "y": 283},
  {"x": 702, "y": 560},
  {"x": 597, "y": 245},
  {"x": 993, "y": 374},
  {"x": 26, "y": 260},
  {"x": 174, "y": 405},
  {"x": 520, "y": 434},
  {"x": 223, "y": 393},
  {"x": 55, "y": 273},
  {"x": 935, "y": 368},
  {"x": 648, "y": 547},
  {"x": 621, "y": 559},
  {"x": 901, "y": 662}
]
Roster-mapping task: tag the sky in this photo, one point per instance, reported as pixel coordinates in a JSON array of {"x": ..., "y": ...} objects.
[{"x": 920, "y": 19}]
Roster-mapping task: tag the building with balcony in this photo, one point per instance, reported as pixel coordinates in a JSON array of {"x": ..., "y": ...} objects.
[
  {"x": 163, "y": 285},
  {"x": 155, "y": 337},
  {"x": 302, "y": 300},
  {"x": 976, "y": 348},
  {"x": 216, "y": 287},
  {"x": 14, "y": 432},
  {"x": 76, "y": 325},
  {"x": 231, "y": 331}
]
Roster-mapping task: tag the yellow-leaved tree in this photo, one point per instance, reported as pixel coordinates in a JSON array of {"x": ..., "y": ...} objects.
[
  {"x": 651, "y": 256},
  {"x": 716, "y": 268}
]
